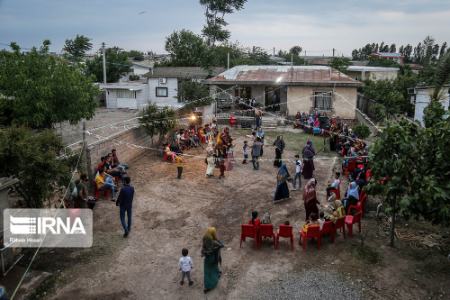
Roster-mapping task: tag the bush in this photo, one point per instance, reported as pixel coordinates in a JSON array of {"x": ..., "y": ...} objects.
[{"x": 361, "y": 131}]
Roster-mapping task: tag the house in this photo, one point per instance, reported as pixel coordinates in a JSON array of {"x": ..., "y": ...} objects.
[
  {"x": 164, "y": 82},
  {"x": 421, "y": 97},
  {"x": 396, "y": 57},
  {"x": 291, "y": 89},
  {"x": 141, "y": 68},
  {"x": 132, "y": 94},
  {"x": 373, "y": 73}
]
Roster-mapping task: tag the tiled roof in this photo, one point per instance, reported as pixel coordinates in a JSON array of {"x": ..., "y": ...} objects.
[
  {"x": 183, "y": 72},
  {"x": 289, "y": 75}
]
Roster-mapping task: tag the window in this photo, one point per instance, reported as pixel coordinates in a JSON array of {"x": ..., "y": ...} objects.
[
  {"x": 162, "y": 92},
  {"x": 322, "y": 100},
  {"x": 126, "y": 94}
]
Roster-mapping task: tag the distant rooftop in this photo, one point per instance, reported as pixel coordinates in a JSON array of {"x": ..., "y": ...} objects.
[
  {"x": 183, "y": 72},
  {"x": 289, "y": 75},
  {"x": 388, "y": 54},
  {"x": 371, "y": 69},
  {"x": 129, "y": 85}
]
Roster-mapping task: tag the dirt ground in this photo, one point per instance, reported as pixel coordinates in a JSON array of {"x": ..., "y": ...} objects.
[{"x": 171, "y": 214}]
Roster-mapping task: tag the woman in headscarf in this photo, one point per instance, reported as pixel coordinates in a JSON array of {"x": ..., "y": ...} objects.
[
  {"x": 211, "y": 252},
  {"x": 310, "y": 198},
  {"x": 352, "y": 195},
  {"x": 308, "y": 160},
  {"x": 279, "y": 148},
  {"x": 211, "y": 165},
  {"x": 282, "y": 190},
  {"x": 334, "y": 210}
]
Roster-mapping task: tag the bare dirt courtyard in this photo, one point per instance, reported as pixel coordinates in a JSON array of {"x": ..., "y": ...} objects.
[{"x": 171, "y": 214}]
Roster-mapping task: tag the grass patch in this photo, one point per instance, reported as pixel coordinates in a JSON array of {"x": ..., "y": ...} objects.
[
  {"x": 366, "y": 254},
  {"x": 295, "y": 141}
]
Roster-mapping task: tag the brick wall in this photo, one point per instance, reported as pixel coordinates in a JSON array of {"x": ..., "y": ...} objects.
[{"x": 125, "y": 152}]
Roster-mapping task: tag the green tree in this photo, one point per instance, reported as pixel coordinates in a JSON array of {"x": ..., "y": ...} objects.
[
  {"x": 386, "y": 93},
  {"x": 382, "y": 62},
  {"x": 38, "y": 90},
  {"x": 442, "y": 76},
  {"x": 75, "y": 49},
  {"x": 117, "y": 64},
  {"x": 136, "y": 55},
  {"x": 186, "y": 49},
  {"x": 31, "y": 156},
  {"x": 340, "y": 63},
  {"x": 361, "y": 131},
  {"x": 158, "y": 121},
  {"x": 295, "y": 50},
  {"x": 215, "y": 11}
]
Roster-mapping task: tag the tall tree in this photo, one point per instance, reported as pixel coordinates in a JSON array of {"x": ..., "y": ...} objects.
[
  {"x": 393, "y": 48},
  {"x": 117, "y": 64},
  {"x": 340, "y": 63},
  {"x": 39, "y": 90},
  {"x": 443, "y": 49},
  {"x": 186, "y": 48},
  {"x": 295, "y": 50},
  {"x": 75, "y": 49},
  {"x": 215, "y": 11},
  {"x": 158, "y": 121}
]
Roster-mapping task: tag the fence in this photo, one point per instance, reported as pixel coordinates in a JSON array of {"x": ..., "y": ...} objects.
[{"x": 368, "y": 106}]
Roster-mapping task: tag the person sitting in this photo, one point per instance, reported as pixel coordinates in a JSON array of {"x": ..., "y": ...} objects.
[
  {"x": 321, "y": 219},
  {"x": 266, "y": 218},
  {"x": 335, "y": 185},
  {"x": 255, "y": 220},
  {"x": 312, "y": 221},
  {"x": 170, "y": 155},
  {"x": 334, "y": 210},
  {"x": 105, "y": 181},
  {"x": 352, "y": 195},
  {"x": 116, "y": 163},
  {"x": 101, "y": 164}
]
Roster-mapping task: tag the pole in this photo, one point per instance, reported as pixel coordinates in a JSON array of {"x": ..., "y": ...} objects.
[
  {"x": 228, "y": 60},
  {"x": 85, "y": 147},
  {"x": 333, "y": 51},
  {"x": 104, "y": 63},
  {"x": 292, "y": 59}
]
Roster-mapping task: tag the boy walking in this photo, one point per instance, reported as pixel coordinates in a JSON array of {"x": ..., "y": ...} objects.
[
  {"x": 179, "y": 163},
  {"x": 185, "y": 265},
  {"x": 245, "y": 151},
  {"x": 298, "y": 172}
]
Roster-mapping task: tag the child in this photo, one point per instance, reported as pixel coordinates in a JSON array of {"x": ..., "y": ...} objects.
[
  {"x": 179, "y": 163},
  {"x": 298, "y": 173},
  {"x": 311, "y": 222},
  {"x": 266, "y": 218},
  {"x": 185, "y": 265},
  {"x": 335, "y": 184},
  {"x": 321, "y": 219},
  {"x": 245, "y": 151}
]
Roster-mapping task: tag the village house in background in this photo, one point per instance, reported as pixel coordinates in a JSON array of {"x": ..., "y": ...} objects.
[
  {"x": 291, "y": 89},
  {"x": 396, "y": 57},
  {"x": 362, "y": 73},
  {"x": 421, "y": 97}
]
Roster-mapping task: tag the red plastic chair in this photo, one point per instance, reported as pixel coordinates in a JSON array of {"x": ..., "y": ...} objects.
[
  {"x": 329, "y": 229},
  {"x": 266, "y": 230},
  {"x": 285, "y": 231},
  {"x": 248, "y": 231},
  {"x": 340, "y": 224},
  {"x": 350, "y": 220},
  {"x": 313, "y": 232},
  {"x": 351, "y": 166},
  {"x": 337, "y": 192}
]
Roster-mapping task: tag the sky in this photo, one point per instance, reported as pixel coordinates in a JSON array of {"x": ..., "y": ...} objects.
[{"x": 317, "y": 26}]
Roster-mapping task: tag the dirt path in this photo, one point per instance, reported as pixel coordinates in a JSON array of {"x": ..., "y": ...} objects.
[{"x": 170, "y": 214}]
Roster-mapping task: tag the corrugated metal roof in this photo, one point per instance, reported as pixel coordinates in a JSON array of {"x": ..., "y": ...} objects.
[
  {"x": 183, "y": 72},
  {"x": 290, "y": 75},
  {"x": 388, "y": 54},
  {"x": 371, "y": 69}
]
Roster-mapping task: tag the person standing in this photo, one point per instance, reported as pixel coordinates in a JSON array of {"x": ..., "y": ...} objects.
[
  {"x": 310, "y": 198},
  {"x": 279, "y": 148},
  {"x": 185, "y": 265},
  {"x": 179, "y": 162},
  {"x": 258, "y": 119},
  {"x": 298, "y": 173},
  {"x": 211, "y": 252},
  {"x": 245, "y": 151},
  {"x": 210, "y": 165},
  {"x": 256, "y": 153},
  {"x": 125, "y": 202},
  {"x": 308, "y": 160},
  {"x": 260, "y": 134},
  {"x": 282, "y": 190}
]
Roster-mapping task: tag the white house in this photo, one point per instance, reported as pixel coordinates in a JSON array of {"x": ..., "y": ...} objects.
[
  {"x": 132, "y": 95},
  {"x": 373, "y": 73},
  {"x": 421, "y": 97},
  {"x": 142, "y": 67}
]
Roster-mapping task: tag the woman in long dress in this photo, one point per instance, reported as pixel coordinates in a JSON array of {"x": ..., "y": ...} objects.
[
  {"x": 310, "y": 198},
  {"x": 279, "y": 148},
  {"x": 282, "y": 190},
  {"x": 308, "y": 160},
  {"x": 211, "y": 165},
  {"x": 211, "y": 252}
]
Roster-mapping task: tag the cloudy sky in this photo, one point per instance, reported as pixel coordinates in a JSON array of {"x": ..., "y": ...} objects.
[{"x": 318, "y": 26}]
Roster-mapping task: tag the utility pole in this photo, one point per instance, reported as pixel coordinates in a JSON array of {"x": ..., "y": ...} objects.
[
  {"x": 305, "y": 59},
  {"x": 228, "y": 60},
  {"x": 292, "y": 59},
  {"x": 333, "y": 51},
  {"x": 104, "y": 63},
  {"x": 85, "y": 148}
]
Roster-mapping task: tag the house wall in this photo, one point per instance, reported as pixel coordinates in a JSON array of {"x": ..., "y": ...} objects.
[
  {"x": 299, "y": 98},
  {"x": 138, "y": 70},
  {"x": 112, "y": 99},
  {"x": 423, "y": 99},
  {"x": 358, "y": 75},
  {"x": 172, "y": 89}
]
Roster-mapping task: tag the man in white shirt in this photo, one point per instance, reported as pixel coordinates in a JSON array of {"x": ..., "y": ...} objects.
[{"x": 185, "y": 265}]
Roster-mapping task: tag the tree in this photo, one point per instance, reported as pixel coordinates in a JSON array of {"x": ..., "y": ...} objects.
[
  {"x": 361, "y": 131},
  {"x": 295, "y": 50},
  {"x": 340, "y": 63},
  {"x": 442, "y": 76},
  {"x": 117, "y": 64},
  {"x": 135, "y": 55},
  {"x": 215, "y": 11},
  {"x": 75, "y": 49},
  {"x": 382, "y": 62},
  {"x": 386, "y": 92},
  {"x": 157, "y": 120},
  {"x": 38, "y": 90},
  {"x": 31, "y": 156},
  {"x": 186, "y": 49}
]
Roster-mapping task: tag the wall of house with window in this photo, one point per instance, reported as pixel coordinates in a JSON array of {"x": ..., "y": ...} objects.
[
  {"x": 163, "y": 91},
  {"x": 340, "y": 101},
  {"x": 131, "y": 97}
]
